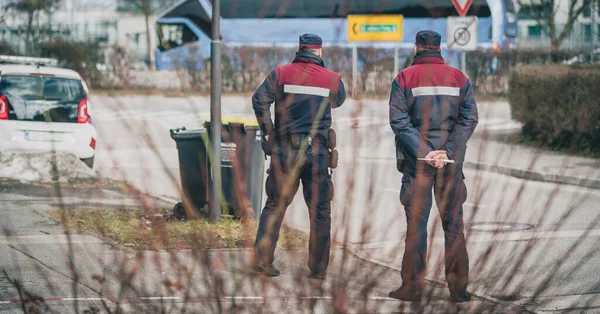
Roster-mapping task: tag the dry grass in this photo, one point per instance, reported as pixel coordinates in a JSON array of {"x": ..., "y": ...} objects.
[{"x": 133, "y": 228}]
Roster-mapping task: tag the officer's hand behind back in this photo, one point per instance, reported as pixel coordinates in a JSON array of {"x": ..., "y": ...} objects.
[{"x": 439, "y": 159}]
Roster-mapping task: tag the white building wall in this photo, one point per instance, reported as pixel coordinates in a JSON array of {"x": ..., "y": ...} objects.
[
  {"x": 90, "y": 20},
  {"x": 576, "y": 38}
]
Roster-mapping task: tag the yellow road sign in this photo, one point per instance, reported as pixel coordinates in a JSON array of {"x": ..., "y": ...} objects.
[{"x": 375, "y": 27}]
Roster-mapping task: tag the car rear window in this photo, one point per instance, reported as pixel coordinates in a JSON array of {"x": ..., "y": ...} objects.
[
  {"x": 30, "y": 87},
  {"x": 42, "y": 98}
]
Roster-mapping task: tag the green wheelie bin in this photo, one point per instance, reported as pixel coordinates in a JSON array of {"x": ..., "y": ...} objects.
[{"x": 242, "y": 169}]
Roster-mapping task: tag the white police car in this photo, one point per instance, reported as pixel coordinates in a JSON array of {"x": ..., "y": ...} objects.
[{"x": 44, "y": 109}]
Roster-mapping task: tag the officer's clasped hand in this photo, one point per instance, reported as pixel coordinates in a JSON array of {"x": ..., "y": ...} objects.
[{"x": 436, "y": 158}]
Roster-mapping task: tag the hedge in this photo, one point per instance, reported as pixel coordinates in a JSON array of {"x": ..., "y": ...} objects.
[
  {"x": 245, "y": 67},
  {"x": 6, "y": 49},
  {"x": 558, "y": 105}
]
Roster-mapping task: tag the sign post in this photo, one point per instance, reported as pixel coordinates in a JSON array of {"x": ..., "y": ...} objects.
[
  {"x": 354, "y": 70},
  {"x": 371, "y": 28},
  {"x": 215, "y": 112},
  {"x": 462, "y": 34}
]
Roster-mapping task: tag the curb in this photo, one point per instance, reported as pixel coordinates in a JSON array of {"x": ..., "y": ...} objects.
[
  {"x": 480, "y": 294},
  {"x": 536, "y": 176}
]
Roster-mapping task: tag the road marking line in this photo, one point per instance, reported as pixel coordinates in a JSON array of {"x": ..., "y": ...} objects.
[
  {"x": 244, "y": 298},
  {"x": 382, "y": 299},
  {"x": 75, "y": 299},
  {"x": 315, "y": 298},
  {"x": 161, "y": 298}
]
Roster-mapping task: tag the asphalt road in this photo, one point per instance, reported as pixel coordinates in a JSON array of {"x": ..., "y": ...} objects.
[{"x": 545, "y": 257}]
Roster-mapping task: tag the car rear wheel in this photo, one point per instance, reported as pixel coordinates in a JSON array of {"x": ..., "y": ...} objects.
[{"x": 89, "y": 162}]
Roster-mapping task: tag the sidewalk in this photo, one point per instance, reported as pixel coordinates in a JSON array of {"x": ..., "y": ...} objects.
[{"x": 532, "y": 164}]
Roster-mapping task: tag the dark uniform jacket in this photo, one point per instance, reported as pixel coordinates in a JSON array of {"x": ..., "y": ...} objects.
[
  {"x": 304, "y": 92},
  {"x": 432, "y": 107}
]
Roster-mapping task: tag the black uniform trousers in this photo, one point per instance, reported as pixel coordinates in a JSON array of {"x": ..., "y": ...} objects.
[
  {"x": 283, "y": 180},
  {"x": 450, "y": 193}
]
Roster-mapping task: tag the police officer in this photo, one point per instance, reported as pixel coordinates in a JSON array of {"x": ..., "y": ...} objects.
[
  {"x": 432, "y": 113},
  {"x": 304, "y": 92}
]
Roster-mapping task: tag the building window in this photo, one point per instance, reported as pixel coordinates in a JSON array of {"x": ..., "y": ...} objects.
[
  {"x": 528, "y": 12},
  {"x": 587, "y": 33},
  {"x": 175, "y": 35},
  {"x": 587, "y": 11},
  {"x": 534, "y": 31}
]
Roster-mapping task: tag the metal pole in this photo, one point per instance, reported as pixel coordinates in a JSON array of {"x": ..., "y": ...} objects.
[
  {"x": 396, "y": 61},
  {"x": 215, "y": 111},
  {"x": 463, "y": 62},
  {"x": 354, "y": 70},
  {"x": 594, "y": 8}
]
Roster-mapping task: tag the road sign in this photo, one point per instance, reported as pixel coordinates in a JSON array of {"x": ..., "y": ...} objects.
[
  {"x": 462, "y": 33},
  {"x": 462, "y": 6},
  {"x": 375, "y": 27}
]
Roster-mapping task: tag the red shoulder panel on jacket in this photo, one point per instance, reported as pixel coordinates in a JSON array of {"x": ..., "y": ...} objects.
[
  {"x": 307, "y": 74},
  {"x": 421, "y": 75}
]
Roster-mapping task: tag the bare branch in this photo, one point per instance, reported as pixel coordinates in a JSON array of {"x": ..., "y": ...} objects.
[
  {"x": 573, "y": 15},
  {"x": 545, "y": 23},
  {"x": 544, "y": 13}
]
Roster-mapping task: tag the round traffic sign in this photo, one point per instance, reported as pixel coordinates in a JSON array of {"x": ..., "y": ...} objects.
[{"x": 462, "y": 36}]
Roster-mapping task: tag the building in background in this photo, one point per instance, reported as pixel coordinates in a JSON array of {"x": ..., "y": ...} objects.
[
  {"x": 584, "y": 34},
  {"x": 115, "y": 22},
  {"x": 99, "y": 21}
]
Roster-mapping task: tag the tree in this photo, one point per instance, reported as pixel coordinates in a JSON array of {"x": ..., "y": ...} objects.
[
  {"x": 544, "y": 12},
  {"x": 32, "y": 9},
  {"x": 148, "y": 8}
]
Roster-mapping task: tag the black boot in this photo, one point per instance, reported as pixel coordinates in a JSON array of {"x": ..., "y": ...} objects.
[
  {"x": 270, "y": 270},
  {"x": 320, "y": 275},
  {"x": 405, "y": 293},
  {"x": 460, "y": 297}
]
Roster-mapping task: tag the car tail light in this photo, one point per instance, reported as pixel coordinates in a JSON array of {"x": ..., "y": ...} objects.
[
  {"x": 82, "y": 112},
  {"x": 3, "y": 108},
  {"x": 93, "y": 143}
]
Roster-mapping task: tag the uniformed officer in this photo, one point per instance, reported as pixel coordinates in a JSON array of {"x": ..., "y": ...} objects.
[
  {"x": 304, "y": 92},
  {"x": 432, "y": 113}
]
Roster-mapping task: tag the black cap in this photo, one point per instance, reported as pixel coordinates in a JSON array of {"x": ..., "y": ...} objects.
[
  {"x": 310, "y": 41},
  {"x": 428, "y": 40}
]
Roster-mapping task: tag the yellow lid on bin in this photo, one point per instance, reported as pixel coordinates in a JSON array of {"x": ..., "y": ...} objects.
[{"x": 241, "y": 120}]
